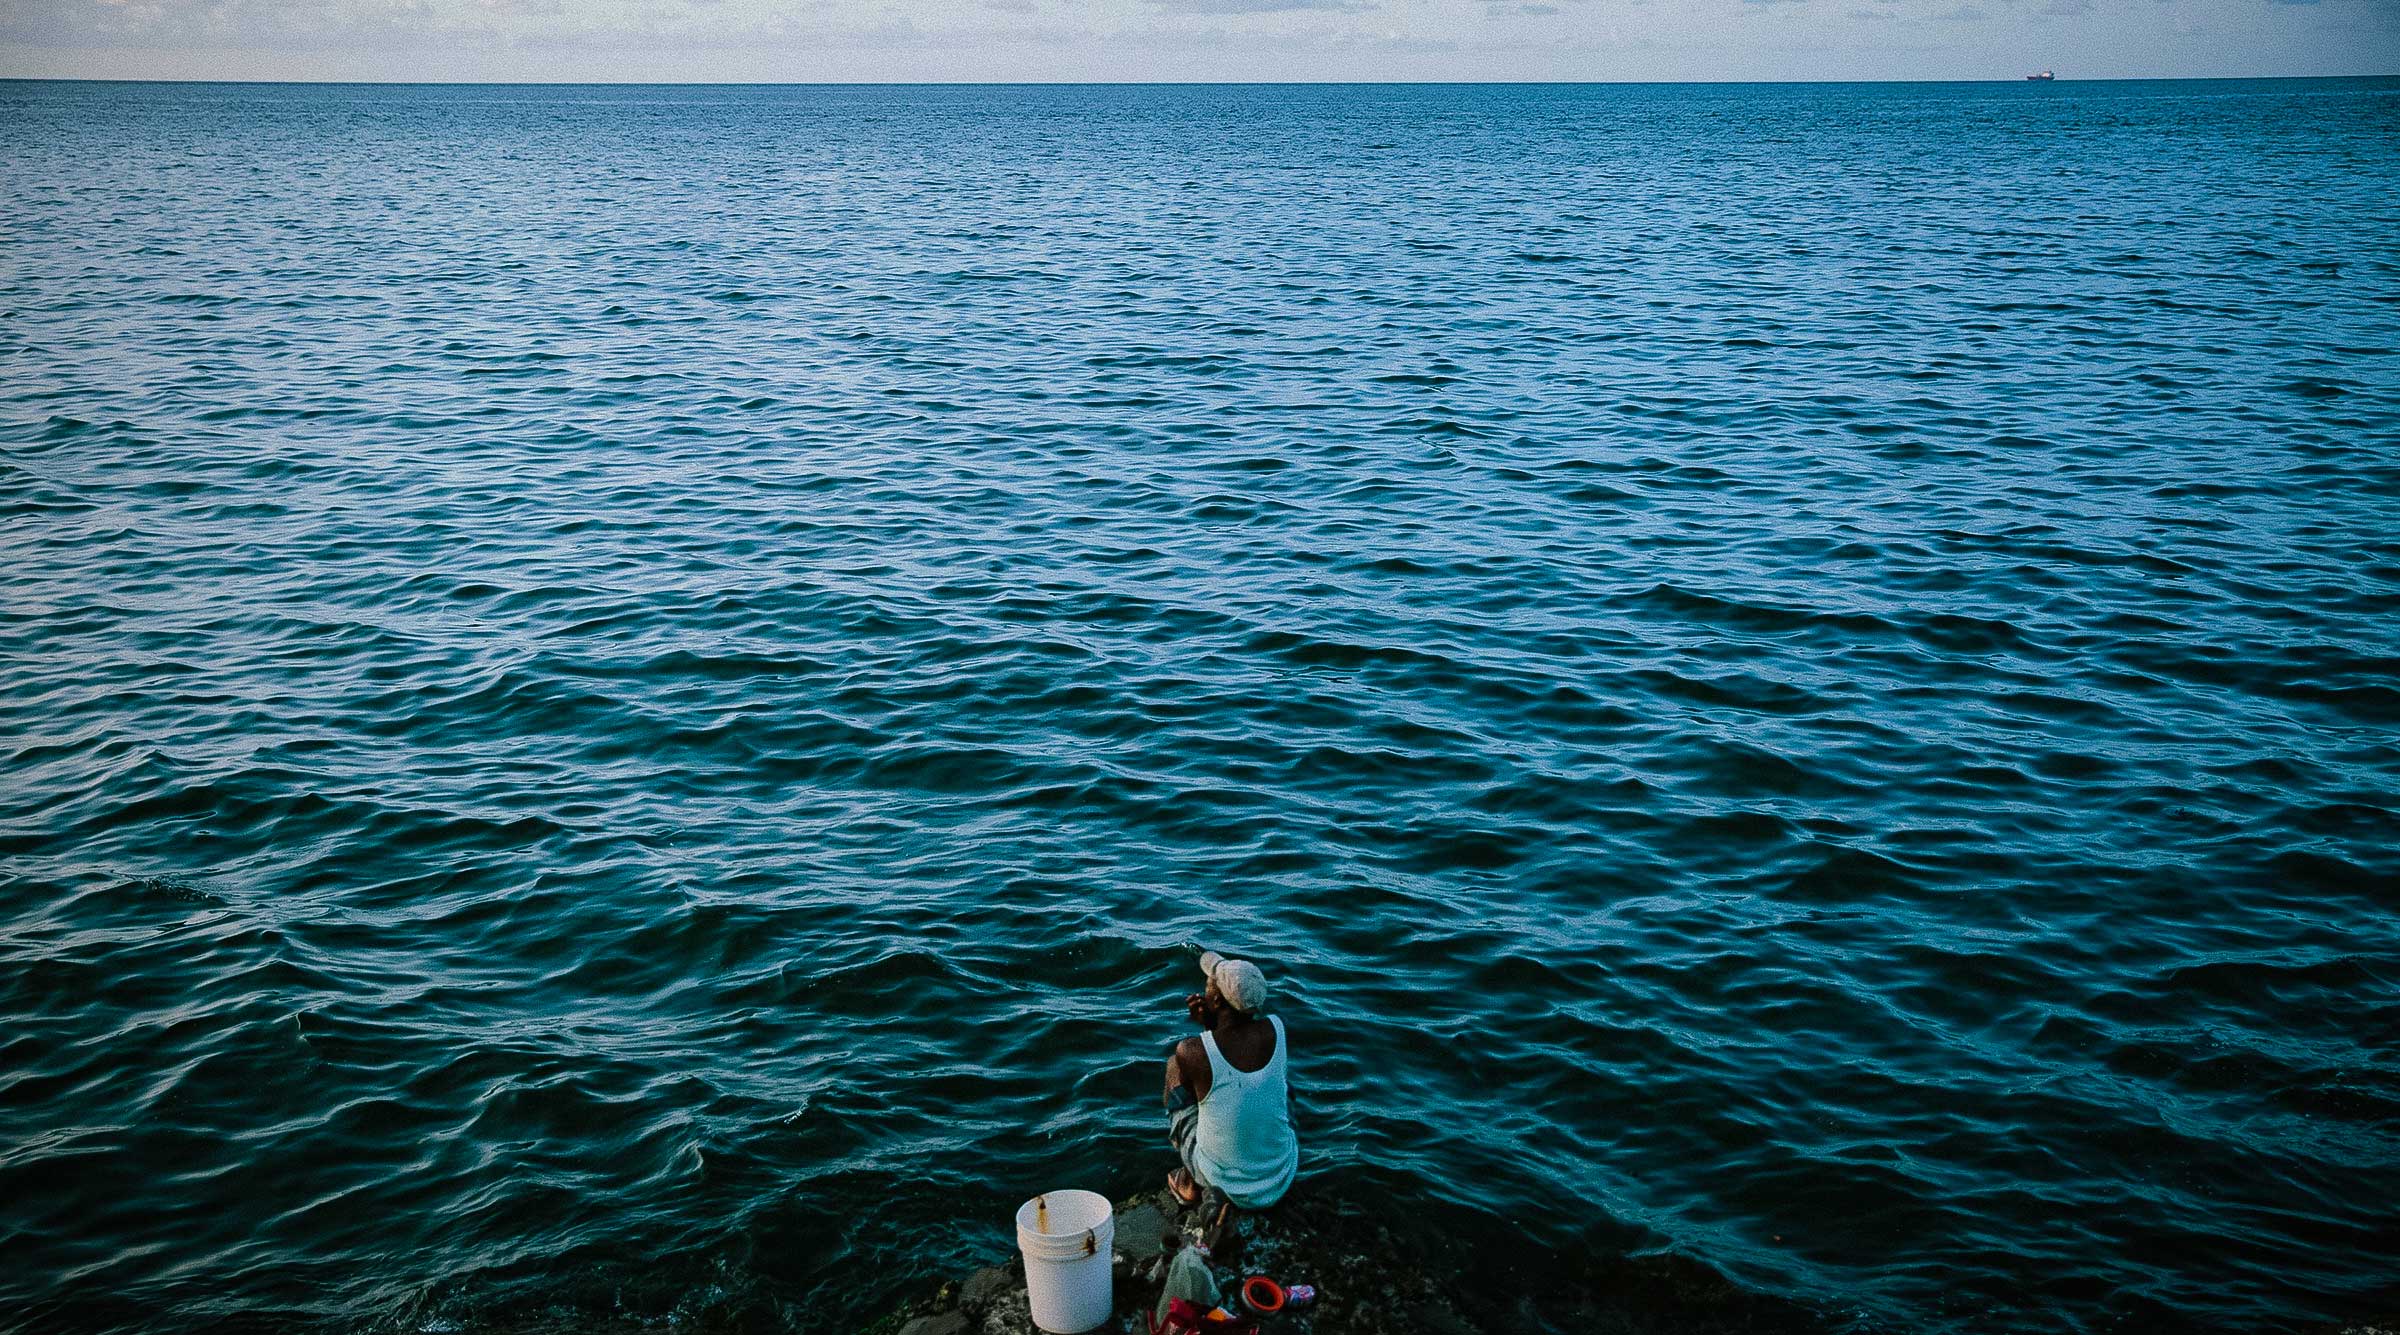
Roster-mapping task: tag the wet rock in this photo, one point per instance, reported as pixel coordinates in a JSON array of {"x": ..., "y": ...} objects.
[
  {"x": 947, "y": 1323},
  {"x": 1138, "y": 1232},
  {"x": 1380, "y": 1268},
  {"x": 1009, "y": 1314},
  {"x": 983, "y": 1288}
]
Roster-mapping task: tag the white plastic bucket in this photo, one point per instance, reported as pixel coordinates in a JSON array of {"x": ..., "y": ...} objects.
[{"x": 1068, "y": 1238}]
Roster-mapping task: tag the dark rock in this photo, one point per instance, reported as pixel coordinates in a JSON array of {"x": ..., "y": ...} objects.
[
  {"x": 1440, "y": 1322},
  {"x": 983, "y": 1288},
  {"x": 1380, "y": 1268},
  {"x": 947, "y": 1323},
  {"x": 1139, "y": 1230},
  {"x": 1009, "y": 1314}
]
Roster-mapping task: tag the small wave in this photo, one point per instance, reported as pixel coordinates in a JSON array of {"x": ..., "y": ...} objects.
[{"x": 643, "y": 782}]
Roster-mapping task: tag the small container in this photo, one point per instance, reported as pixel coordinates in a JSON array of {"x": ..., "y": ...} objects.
[{"x": 1263, "y": 1296}]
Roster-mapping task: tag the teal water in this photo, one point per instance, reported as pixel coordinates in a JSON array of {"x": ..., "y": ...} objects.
[{"x": 620, "y": 700}]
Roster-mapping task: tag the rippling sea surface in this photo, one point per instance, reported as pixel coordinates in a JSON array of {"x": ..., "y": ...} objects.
[{"x": 616, "y": 700}]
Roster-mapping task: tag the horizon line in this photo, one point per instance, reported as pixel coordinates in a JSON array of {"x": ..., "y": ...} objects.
[{"x": 1180, "y": 83}]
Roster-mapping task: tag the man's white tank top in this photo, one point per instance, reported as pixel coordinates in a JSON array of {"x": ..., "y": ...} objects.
[{"x": 1244, "y": 1145}]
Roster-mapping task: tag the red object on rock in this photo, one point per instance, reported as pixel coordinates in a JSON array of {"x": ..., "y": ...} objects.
[{"x": 1262, "y": 1295}]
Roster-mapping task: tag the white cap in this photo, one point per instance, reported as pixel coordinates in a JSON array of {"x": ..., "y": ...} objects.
[{"x": 1238, "y": 981}]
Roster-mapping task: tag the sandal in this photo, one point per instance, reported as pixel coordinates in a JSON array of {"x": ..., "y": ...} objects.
[{"x": 1179, "y": 1183}]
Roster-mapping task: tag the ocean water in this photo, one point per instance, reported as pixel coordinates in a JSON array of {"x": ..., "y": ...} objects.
[{"x": 625, "y": 700}]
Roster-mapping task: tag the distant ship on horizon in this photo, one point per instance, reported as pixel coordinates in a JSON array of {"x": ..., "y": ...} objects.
[{"x": 2044, "y": 77}]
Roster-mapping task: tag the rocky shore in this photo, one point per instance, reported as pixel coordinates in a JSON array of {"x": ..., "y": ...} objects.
[
  {"x": 1374, "y": 1275},
  {"x": 1379, "y": 1268}
]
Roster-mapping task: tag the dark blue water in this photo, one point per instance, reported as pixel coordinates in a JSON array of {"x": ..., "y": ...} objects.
[{"x": 615, "y": 700}]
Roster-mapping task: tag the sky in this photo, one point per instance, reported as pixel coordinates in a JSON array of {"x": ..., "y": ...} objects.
[{"x": 1191, "y": 40}]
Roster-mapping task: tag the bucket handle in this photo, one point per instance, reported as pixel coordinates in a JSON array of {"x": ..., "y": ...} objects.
[{"x": 1091, "y": 1242}]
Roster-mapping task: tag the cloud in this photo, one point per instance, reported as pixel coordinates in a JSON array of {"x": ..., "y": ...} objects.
[
  {"x": 1036, "y": 40},
  {"x": 1220, "y": 7}
]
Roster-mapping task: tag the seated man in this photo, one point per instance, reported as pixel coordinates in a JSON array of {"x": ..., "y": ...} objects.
[{"x": 1228, "y": 1106}]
